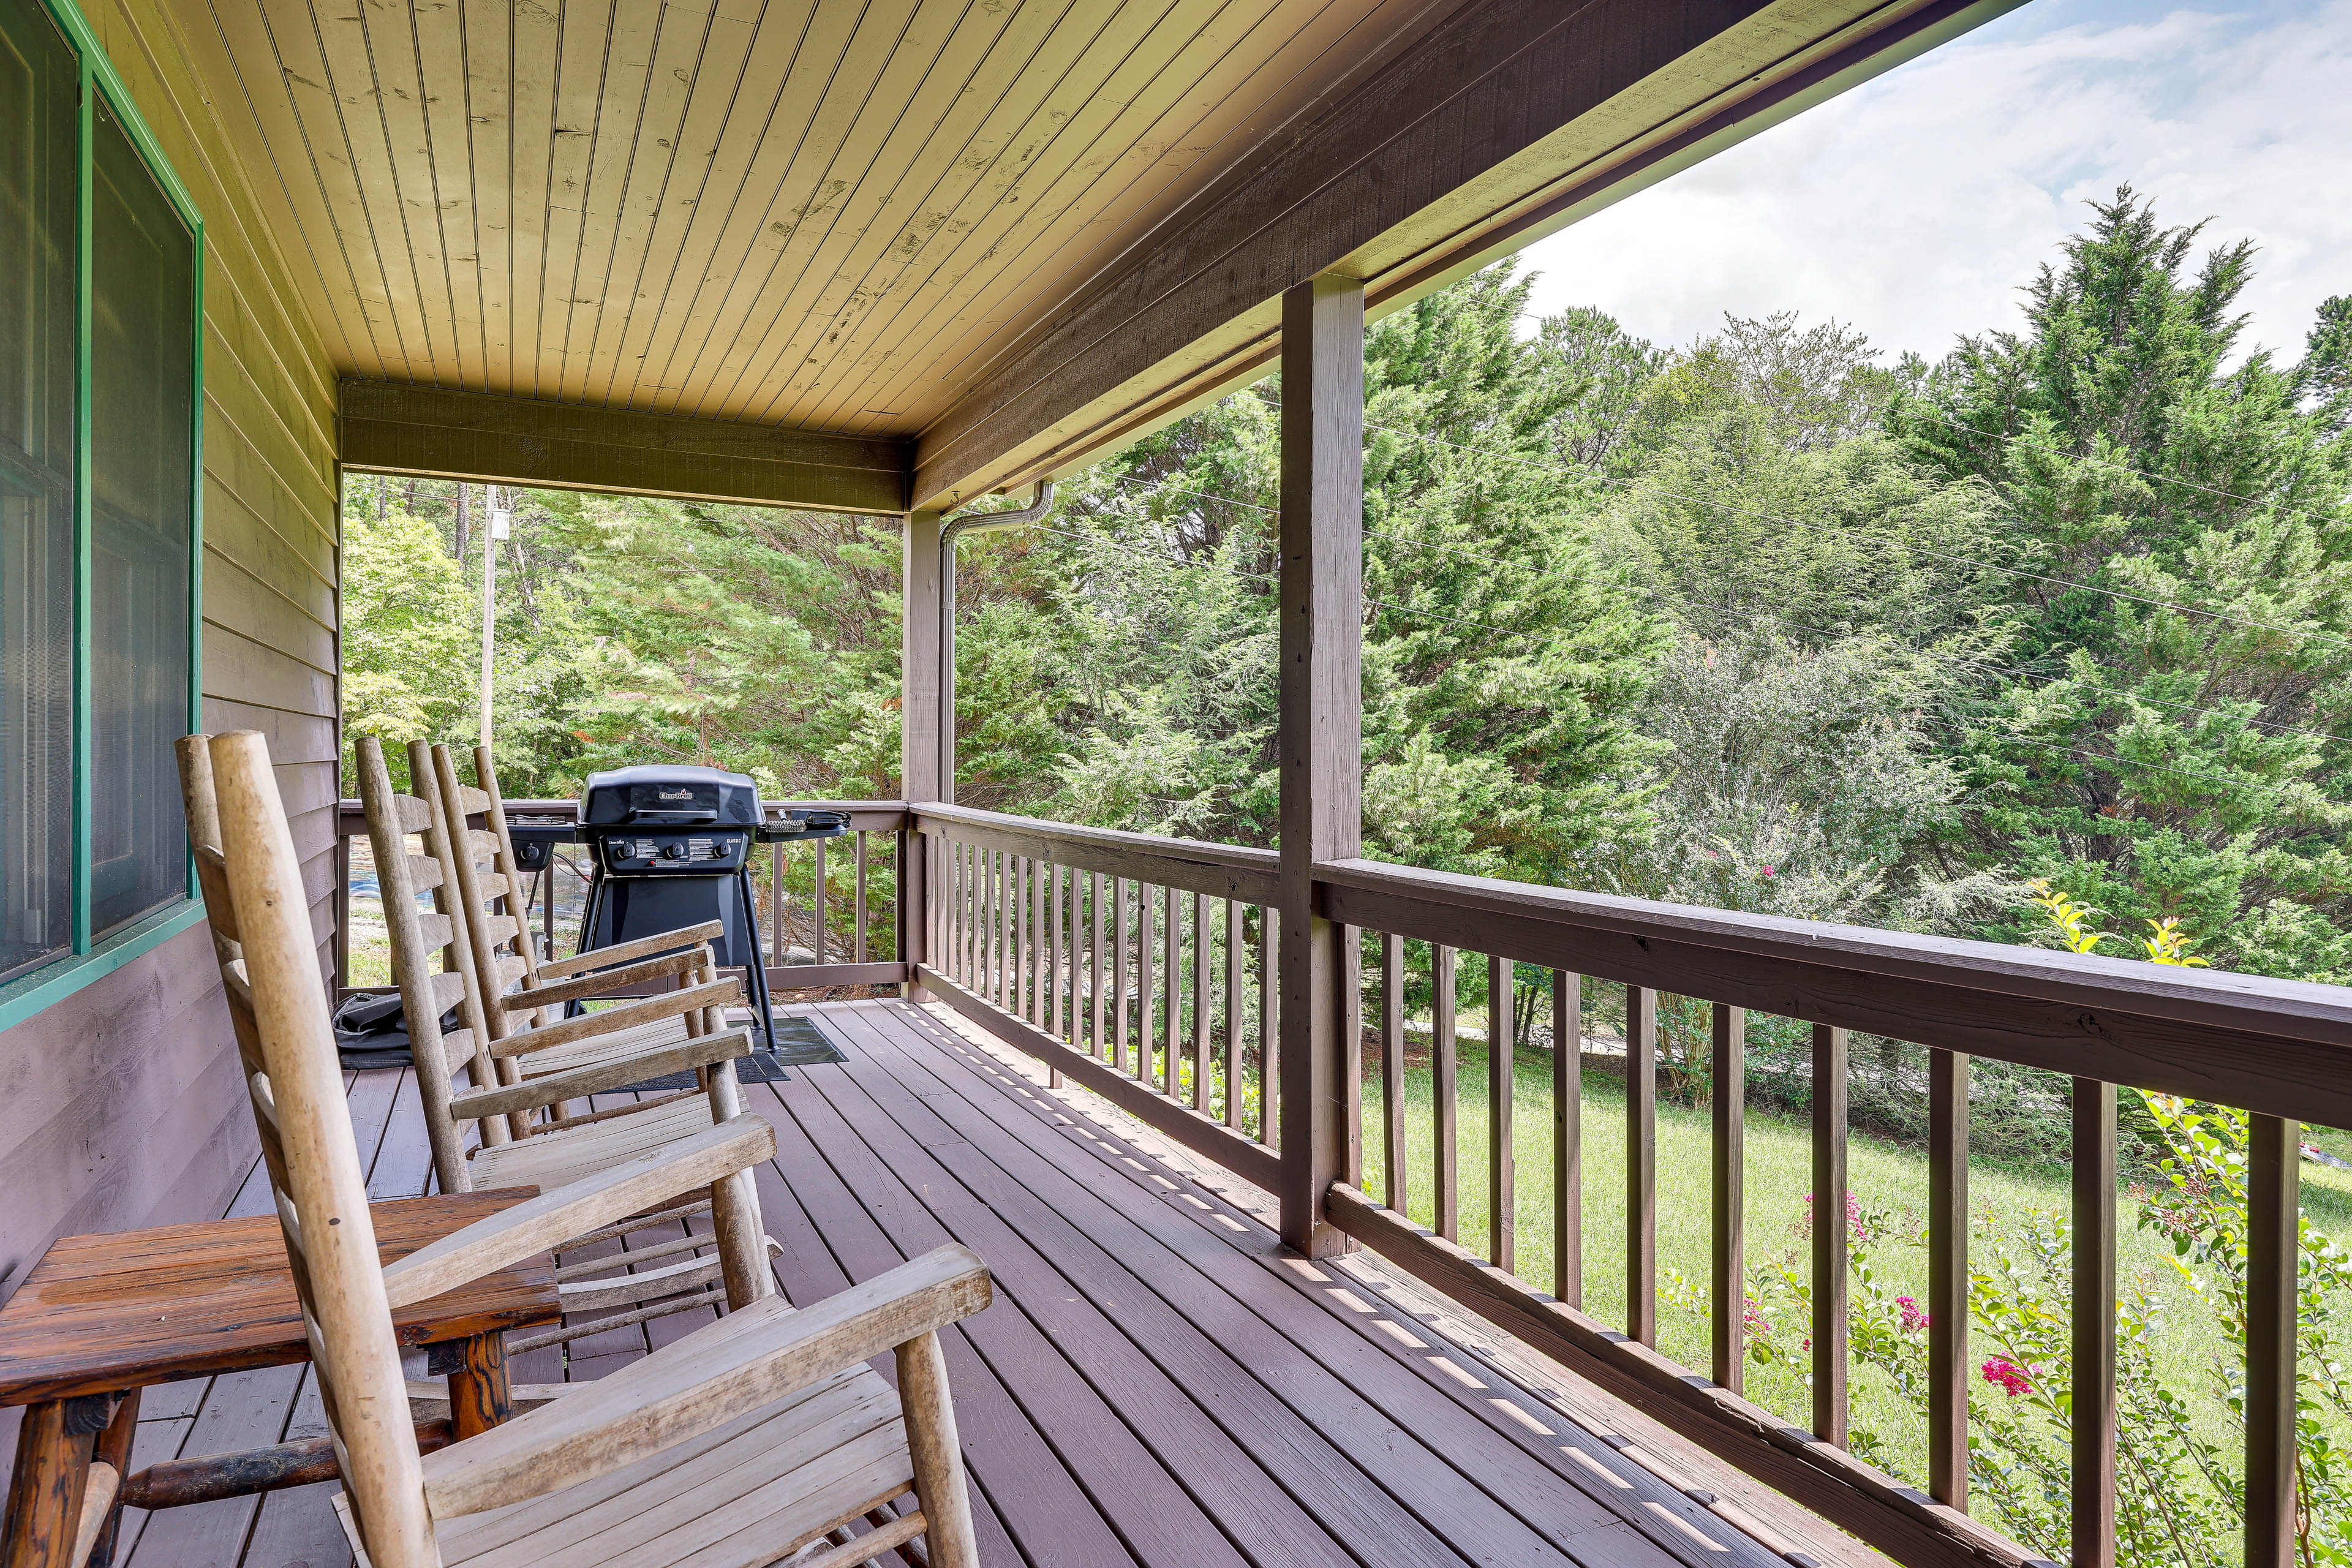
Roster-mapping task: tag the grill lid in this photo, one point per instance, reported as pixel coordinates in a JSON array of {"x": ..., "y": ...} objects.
[{"x": 655, "y": 793}]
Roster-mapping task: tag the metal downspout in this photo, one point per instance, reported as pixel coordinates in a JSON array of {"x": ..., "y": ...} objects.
[{"x": 1040, "y": 503}]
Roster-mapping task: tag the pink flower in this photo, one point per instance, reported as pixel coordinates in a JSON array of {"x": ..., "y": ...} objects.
[
  {"x": 1853, "y": 1219},
  {"x": 1766, "y": 872},
  {"x": 2010, "y": 1376},
  {"x": 1914, "y": 1320}
]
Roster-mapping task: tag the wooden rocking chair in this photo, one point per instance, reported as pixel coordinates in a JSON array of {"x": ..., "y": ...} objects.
[
  {"x": 733, "y": 1447},
  {"x": 484, "y": 868},
  {"x": 521, "y": 1071}
]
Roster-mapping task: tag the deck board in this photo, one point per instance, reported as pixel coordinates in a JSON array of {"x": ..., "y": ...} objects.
[{"x": 1159, "y": 1385}]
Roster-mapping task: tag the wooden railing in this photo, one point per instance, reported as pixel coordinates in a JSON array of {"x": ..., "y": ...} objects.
[
  {"x": 1048, "y": 935},
  {"x": 1140, "y": 967},
  {"x": 850, "y": 944}
]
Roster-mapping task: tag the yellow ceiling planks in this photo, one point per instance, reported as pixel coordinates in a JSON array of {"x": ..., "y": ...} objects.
[
  {"x": 988, "y": 296},
  {"x": 793, "y": 140},
  {"x": 354, "y": 94},
  {"x": 761, "y": 117},
  {"x": 1122, "y": 83},
  {"x": 583, "y": 54},
  {"x": 819, "y": 267},
  {"x": 381, "y": 41},
  {"x": 625, "y": 198},
  {"x": 276, "y": 49},
  {"x": 485, "y": 38},
  {"x": 444, "y": 93},
  {"x": 731, "y": 60},
  {"x": 1038, "y": 55},
  {"x": 1232, "y": 66},
  {"x": 893, "y": 48}
]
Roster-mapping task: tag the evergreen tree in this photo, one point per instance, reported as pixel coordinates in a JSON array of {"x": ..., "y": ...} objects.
[{"x": 2181, "y": 599}]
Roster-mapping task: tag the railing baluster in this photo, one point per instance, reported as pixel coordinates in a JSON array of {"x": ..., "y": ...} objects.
[
  {"x": 1444, "y": 1092},
  {"x": 1000, "y": 968},
  {"x": 2094, "y": 1420},
  {"x": 1035, "y": 972},
  {"x": 1008, "y": 948},
  {"x": 1232, "y": 1052},
  {"x": 1351, "y": 1048},
  {"x": 818, "y": 945},
  {"x": 776, "y": 904},
  {"x": 1269, "y": 1025},
  {"x": 1025, "y": 926},
  {"x": 1144, "y": 1036},
  {"x": 1568, "y": 1137},
  {"x": 1064, "y": 929},
  {"x": 1503, "y": 1205},
  {"x": 1120, "y": 1032},
  {"x": 1171, "y": 982},
  {"x": 1829, "y": 1287},
  {"x": 2274, "y": 1245},
  {"x": 1642, "y": 1164},
  {"x": 1095, "y": 965},
  {"x": 1202, "y": 972},
  {"x": 1947, "y": 1277},
  {"x": 1392, "y": 1163},
  {"x": 857, "y": 917},
  {"x": 1727, "y": 1066},
  {"x": 959, "y": 933}
]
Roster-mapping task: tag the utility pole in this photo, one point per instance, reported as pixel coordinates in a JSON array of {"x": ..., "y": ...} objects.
[{"x": 501, "y": 521}]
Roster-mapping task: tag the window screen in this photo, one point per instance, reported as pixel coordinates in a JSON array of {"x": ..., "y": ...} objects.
[
  {"x": 37, "y": 74},
  {"x": 141, "y": 375}
]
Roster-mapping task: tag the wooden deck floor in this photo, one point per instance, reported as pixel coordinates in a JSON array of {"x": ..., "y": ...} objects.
[{"x": 1157, "y": 1384}]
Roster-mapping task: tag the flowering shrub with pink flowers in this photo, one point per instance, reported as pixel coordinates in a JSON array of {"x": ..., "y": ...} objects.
[{"x": 2179, "y": 1493}]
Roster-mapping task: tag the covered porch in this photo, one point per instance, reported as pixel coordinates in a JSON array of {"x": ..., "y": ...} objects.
[
  {"x": 1161, "y": 1382},
  {"x": 908, "y": 260}
]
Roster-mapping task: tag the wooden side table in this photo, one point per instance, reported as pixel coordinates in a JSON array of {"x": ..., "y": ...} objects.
[{"x": 102, "y": 1317}]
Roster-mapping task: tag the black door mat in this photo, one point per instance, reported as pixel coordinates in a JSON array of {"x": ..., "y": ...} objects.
[{"x": 799, "y": 1043}]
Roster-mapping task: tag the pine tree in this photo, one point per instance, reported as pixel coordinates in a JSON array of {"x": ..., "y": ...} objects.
[{"x": 2172, "y": 743}]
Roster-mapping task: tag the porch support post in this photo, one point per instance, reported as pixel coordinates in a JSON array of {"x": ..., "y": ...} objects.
[
  {"x": 1321, "y": 727},
  {"x": 926, "y": 730}
]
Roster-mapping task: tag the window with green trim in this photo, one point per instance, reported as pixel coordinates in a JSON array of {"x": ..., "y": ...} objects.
[{"x": 99, "y": 311}]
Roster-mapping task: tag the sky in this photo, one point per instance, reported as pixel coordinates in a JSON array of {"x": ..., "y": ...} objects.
[{"x": 1913, "y": 206}]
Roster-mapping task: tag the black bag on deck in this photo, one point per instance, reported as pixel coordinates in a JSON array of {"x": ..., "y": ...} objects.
[{"x": 372, "y": 1031}]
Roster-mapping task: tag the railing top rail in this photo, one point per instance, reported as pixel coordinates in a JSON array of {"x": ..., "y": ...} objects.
[
  {"x": 1226, "y": 870},
  {"x": 2282, "y": 1046},
  {"x": 865, "y": 816}
]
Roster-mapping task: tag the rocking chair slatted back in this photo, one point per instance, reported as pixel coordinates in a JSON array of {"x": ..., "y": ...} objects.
[
  {"x": 828, "y": 1429},
  {"x": 276, "y": 995},
  {"x": 424, "y": 997}
]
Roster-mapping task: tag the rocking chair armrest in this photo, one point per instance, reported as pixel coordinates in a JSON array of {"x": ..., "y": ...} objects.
[
  {"x": 550, "y": 995},
  {"x": 753, "y": 1356},
  {"x": 628, "y": 1016},
  {"x": 541, "y": 1224},
  {"x": 622, "y": 951},
  {"x": 580, "y": 1082}
]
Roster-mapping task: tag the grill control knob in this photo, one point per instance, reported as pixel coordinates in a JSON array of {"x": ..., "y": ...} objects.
[{"x": 673, "y": 851}]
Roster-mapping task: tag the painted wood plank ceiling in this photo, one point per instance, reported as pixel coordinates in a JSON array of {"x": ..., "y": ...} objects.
[{"x": 816, "y": 213}]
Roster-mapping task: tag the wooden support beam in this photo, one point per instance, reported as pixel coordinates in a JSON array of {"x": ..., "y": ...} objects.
[
  {"x": 395, "y": 428},
  {"x": 1321, "y": 727},
  {"x": 1503, "y": 122},
  {"x": 926, "y": 730}
]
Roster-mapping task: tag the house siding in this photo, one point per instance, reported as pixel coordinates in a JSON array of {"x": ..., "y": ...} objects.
[{"x": 120, "y": 1105}]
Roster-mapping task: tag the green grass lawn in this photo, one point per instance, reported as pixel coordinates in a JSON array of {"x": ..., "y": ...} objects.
[{"x": 1778, "y": 1177}]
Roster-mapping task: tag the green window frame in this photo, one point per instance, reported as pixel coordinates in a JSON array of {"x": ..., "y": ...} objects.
[{"x": 95, "y": 954}]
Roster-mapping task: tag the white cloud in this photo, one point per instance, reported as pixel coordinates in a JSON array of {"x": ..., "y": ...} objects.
[{"x": 1915, "y": 205}]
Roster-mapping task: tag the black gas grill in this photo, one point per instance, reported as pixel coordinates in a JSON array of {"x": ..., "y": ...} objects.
[{"x": 671, "y": 847}]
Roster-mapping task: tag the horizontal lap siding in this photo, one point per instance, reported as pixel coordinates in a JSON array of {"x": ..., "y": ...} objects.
[{"x": 120, "y": 1105}]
